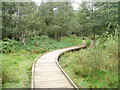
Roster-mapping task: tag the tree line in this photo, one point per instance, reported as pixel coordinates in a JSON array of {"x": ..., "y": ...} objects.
[{"x": 21, "y": 20}]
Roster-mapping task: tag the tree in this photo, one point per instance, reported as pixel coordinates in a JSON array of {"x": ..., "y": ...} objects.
[
  {"x": 17, "y": 19},
  {"x": 56, "y": 18},
  {"x": 98, "y": 18},
  {"x": 8, "y": 9}
]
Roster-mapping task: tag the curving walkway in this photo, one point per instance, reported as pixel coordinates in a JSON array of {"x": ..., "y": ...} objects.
[{"x": 47, "y": 73}]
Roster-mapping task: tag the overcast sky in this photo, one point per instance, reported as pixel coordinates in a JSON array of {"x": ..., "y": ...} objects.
[{"x": 75, "y": 4}]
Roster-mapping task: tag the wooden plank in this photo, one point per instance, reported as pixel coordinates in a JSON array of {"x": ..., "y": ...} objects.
[{"x": 46, "y": 73}]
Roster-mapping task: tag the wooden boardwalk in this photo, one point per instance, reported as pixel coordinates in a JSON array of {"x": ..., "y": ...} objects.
[{"x": 47, "y": 73}]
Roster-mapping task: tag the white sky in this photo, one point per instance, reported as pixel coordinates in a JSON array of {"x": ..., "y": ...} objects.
[{"x": 75, "y": 4}]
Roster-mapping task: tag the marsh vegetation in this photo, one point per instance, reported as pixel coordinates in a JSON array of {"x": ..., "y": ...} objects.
[{"x": 29, "y": 30}]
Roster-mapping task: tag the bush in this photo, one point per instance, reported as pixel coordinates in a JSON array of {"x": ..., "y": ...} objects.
[
  {"x": 98, "y": 65},
  {"x": 23, "y": 57},
  {"x": 9, "y": 45},
  {"x": 38, "y": 44}
]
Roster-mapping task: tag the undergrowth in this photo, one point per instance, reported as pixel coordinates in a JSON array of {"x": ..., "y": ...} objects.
[
  {"x": 38, "y": 44},
  {"x": 94, "y": 67},
  {"x": 18, "y": 57}
]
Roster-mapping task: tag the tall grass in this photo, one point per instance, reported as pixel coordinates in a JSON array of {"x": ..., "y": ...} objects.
[
  {"x": 18, "y": 58},
  {"x": 95, "y": 67},
  {"x": 16, "y": 70}
]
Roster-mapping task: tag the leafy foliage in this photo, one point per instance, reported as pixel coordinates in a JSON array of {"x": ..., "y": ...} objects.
[
  {"x": 95, "y": 67},
  {"x": 31, "y": 30},
  {"x": 10, "y": 46},
  {"x": 58, "y": 19},
  {"x": 20, "y": 57},
  {"x": 38, "y": 44}
]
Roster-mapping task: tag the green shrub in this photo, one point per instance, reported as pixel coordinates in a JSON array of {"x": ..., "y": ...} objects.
[
  {"x": 18, "y": 56},
  {"x": 73, "y": 40},
  {"x": 9, "y": 45},
  {"x": 95, "y": 66}
]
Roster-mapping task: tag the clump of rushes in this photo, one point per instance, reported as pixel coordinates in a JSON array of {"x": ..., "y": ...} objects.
[{"x": 95, "y": 67}]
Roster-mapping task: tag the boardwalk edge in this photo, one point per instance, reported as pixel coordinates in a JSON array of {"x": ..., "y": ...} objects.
[
  {"x": 33, "y": 66},
  {"x": 70, "y": 80}
]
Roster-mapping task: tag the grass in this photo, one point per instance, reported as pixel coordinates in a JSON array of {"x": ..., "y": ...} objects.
[
  {"x": 95, "y": 67},
  {"x": 17, "y": 59},
  {"x": 16, "y": 72}
]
